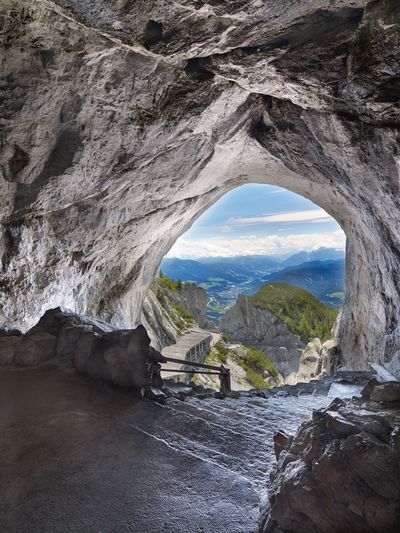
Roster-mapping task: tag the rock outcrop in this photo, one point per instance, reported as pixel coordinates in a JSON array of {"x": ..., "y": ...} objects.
[
  {"x": 317, "y": 360},
  {"x": 97, "y": 349},
  {"x": 261, "y": 328},
  {"x": 121, "y": 122},
  {"x": 195, "y": 299},
  {"x": 168, "y": 312},
  {"x": 161, "y": 327},
  {"x": 341, "y": 471}
]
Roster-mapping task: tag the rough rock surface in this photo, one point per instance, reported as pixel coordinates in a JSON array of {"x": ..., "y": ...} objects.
[
  {"x": 388, "y": 392},
  {"x": 121, "y": 122},
  {"x": 90, "y": 346},
  {"x": 340, "y": 472},
  {"x": 160, "y": 326},
  {"x": 310, "y": 363},
  {"x": 253, "y": 326},
  {"x": 393, "y": 366}
]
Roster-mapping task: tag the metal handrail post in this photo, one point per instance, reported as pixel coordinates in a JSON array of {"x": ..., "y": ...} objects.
[{"x": 225, "y": 380}]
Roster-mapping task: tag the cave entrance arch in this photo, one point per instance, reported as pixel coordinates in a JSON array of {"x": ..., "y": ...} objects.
[
  {"x": 272, "y": 224},
  {"x": 96, "y": 249},
  {"x": 362, "y": 329}
]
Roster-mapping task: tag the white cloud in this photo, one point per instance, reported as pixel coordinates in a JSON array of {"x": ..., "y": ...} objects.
[
  {"x": 271, "y": 244},
  {"x": 294, "y": 216},
  {"x": 225, "y": 229}
]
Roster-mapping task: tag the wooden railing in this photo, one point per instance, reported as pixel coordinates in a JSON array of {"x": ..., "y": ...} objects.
[{"x": 222, "y": 372}]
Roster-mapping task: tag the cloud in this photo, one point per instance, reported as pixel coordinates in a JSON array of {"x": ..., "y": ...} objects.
[
  {"x": 294, "y": 216},
  {"x": 225, "y": 229},
  {"x": 271, "y": 244}
]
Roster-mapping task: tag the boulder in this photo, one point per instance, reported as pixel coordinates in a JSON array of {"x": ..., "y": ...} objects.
[
  {"x": 56, "y": 319},
  {"x": 332, "y": 360},
  {"x": 386, "y": 392},
  {"x": 393, "y": 366},
  {"x": 124, "y": 357},
  {"x": 369, "y": 388},
  {"x": 341, "y": 472},
  {"x": 282, "y": 442},
  {"x": 91, "y": 346},
  {"x": 316, "y": 360},
  {"x": 310, "y": 361}
]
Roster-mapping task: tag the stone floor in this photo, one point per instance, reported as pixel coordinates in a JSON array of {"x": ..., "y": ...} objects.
[
  {"x": 75, "y": 456},
  {"x": 70, "y": 462}
]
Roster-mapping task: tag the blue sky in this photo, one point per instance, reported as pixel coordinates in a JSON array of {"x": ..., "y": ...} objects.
[{"x": 259, "y": 219}]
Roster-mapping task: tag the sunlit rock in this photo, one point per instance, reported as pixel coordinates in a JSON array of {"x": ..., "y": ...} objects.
[{"x": 250, "y": 325}]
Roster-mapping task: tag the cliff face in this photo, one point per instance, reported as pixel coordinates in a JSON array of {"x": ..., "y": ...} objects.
[
  {"x": 253, "y": 326},
  {"x": 121, "y": 122},
  {"x": 195, "y": 299},
  {"x": 168, "y": 312}
]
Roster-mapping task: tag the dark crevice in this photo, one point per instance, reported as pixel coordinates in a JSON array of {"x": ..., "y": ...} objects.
[
  {"x": 196, "y": 70},
  {"x": 60, "y": 159},
  {"x": 17, "y": 162},
  {"x": 153, "y": 33},
  {"x": 12, "y": 240}
]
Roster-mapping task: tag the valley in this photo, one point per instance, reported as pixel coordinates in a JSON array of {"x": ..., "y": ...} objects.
[
  {"x": 320, "y": 272},
  {"x": 267, "y": 331}
]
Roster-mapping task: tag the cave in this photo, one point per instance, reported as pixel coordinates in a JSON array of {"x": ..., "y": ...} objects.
[
  {"x": 91, "y": 237},
  {"x": 143, "y": 115}
]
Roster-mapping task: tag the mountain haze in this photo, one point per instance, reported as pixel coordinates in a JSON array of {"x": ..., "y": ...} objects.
[
  {"x": 323, "y": 279},
  {"x": 322, "y": 254},
  {"x": 321, "y": 272}
]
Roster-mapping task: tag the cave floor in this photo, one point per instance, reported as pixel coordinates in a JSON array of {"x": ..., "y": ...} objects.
[
  {"x": 71, "y": 462},
  {"x": 76, "y": 456}
]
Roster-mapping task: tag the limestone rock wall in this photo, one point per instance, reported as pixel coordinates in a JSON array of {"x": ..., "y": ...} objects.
[
  {"x": 121, "y": 122},
  {"x": 317, "y": 360},
  {"x": 160, "y": 326},
  {"x": 195, "y": 299}
]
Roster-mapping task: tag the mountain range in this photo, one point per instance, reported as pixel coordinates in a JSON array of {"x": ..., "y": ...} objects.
[{"x": 321, "y": 272}]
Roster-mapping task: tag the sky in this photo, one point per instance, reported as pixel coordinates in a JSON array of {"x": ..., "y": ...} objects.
[{"x": 259, "y": 219}]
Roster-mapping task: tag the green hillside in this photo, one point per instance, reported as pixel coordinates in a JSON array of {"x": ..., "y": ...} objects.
[
  {"x": 168, "y": 294},
  {"x": 303, "y": 314}
]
